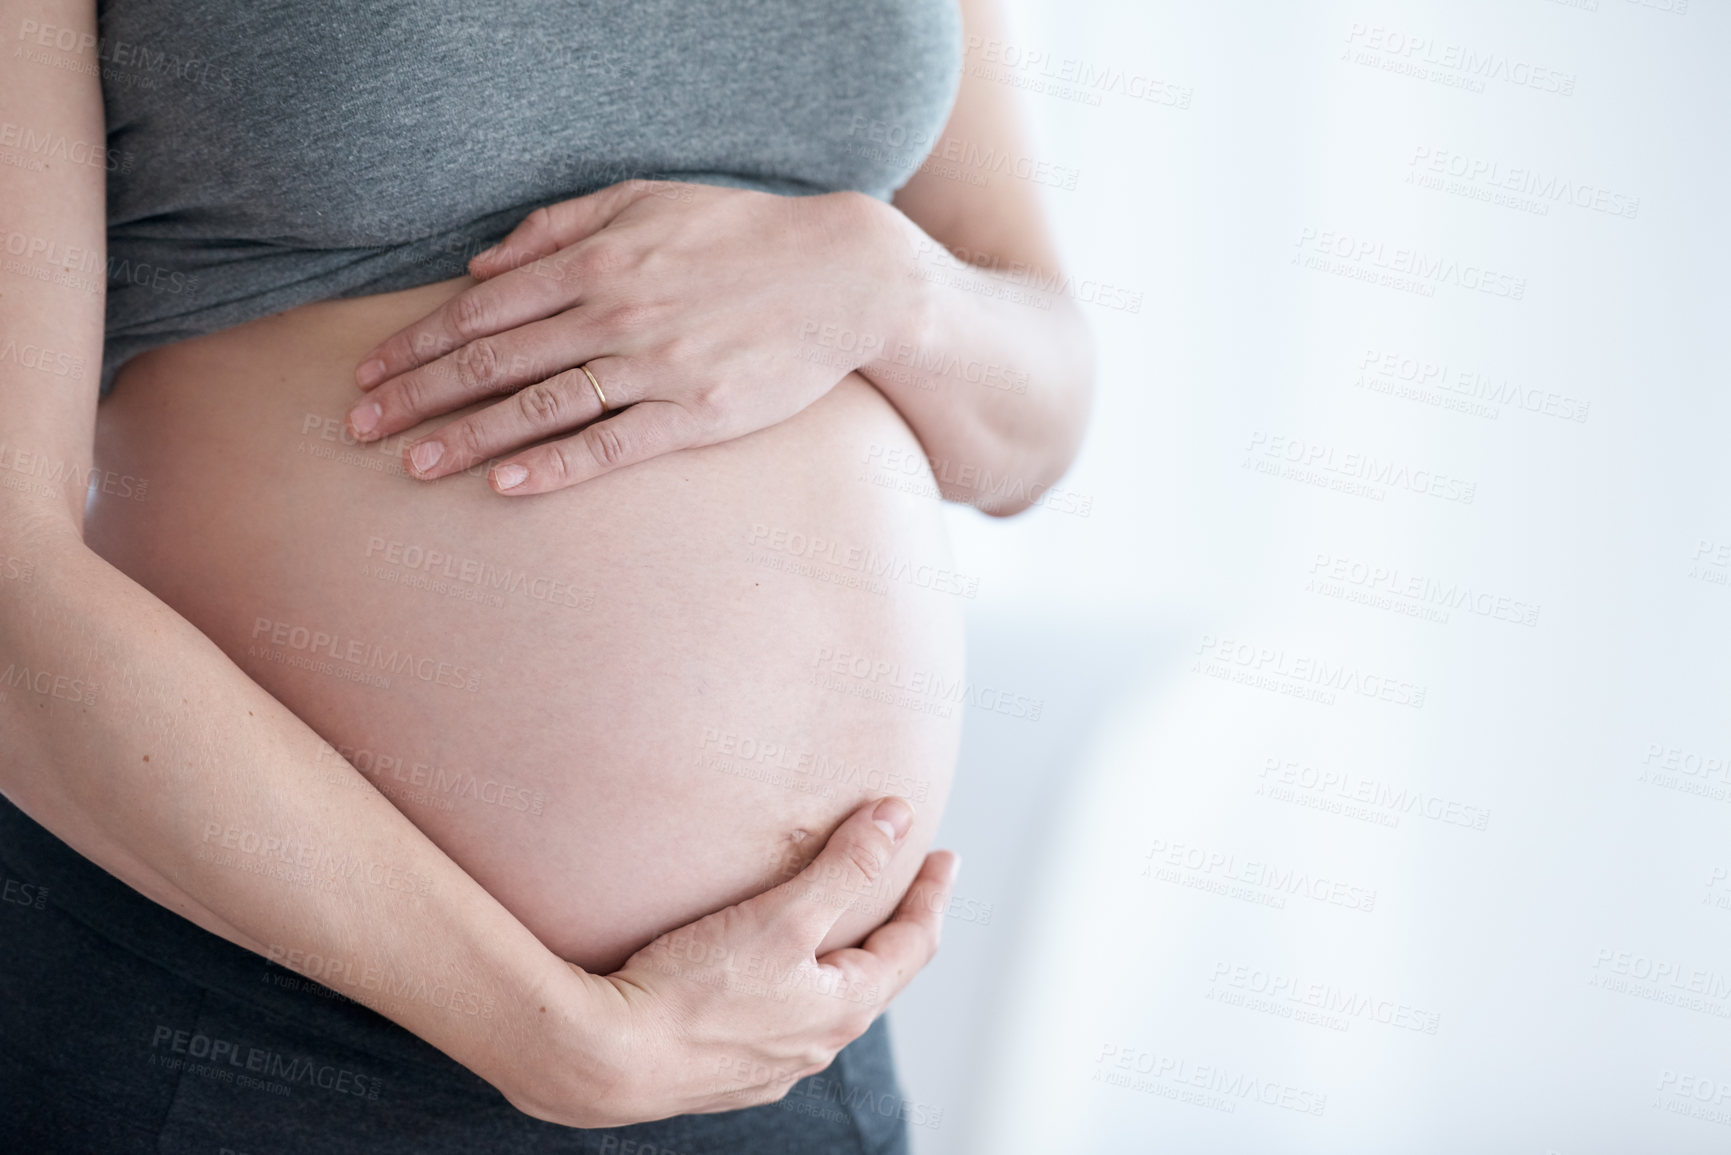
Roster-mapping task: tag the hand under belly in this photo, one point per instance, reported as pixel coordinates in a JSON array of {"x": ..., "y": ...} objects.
[{"x": 619, "y": 707}]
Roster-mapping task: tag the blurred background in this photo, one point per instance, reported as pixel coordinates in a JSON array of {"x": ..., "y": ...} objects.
[{"x": 1366, "y": 783}]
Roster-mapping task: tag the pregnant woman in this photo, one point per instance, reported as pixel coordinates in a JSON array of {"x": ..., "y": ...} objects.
[{"x": 476, "y": 682}]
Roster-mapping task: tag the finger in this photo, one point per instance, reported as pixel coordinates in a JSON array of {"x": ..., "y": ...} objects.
[
  {"x": 560, "y": 403},
  {"x": 483, "y": 368},
  {"x": 553, "y": 227},
  {"x": 478, "y": 311},
  {"x": 896, "y": 951},
  {"x": 647, "y": 429},
  {"x": 807, "y": 905}
]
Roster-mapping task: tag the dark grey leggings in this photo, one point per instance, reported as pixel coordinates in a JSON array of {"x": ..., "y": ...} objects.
[{"x": 125, "y": 1028}]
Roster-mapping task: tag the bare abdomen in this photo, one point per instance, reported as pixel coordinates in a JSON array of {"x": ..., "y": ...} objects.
[{"x": 618, "y": 707}]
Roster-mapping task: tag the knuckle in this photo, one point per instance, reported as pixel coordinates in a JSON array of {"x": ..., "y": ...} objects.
[
  {"x": 865, "y": 858},
  {"x": 542, "y": 404},
  {"x": 422, "y": 346},
  {"x": 467, "y": 439},
  {"x": 477, "y": 364},
  {"x": 556, "y": 466},
  {"x": 541, "y": 220},
  {"x": 412, "y": 393},
  {"x": 680, "y": 347},
  {"x": 553, "y": 270},
  {"x": 470, "y": 315},
  {"x": 656, "y": 432},
  {"x": 625, "y": 319},
  {"x": 709, "y": 403},
  {"x": 608, "y": 443},
  {"x": 842, "y": 1034},
  {"x": 593, "y": 261}
]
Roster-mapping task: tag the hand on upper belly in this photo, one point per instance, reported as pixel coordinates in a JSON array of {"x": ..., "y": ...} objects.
[{"x": 651, "y": 316}]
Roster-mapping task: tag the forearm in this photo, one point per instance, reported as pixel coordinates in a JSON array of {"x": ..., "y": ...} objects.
[
  {"x": 134, "y": 739},
  {"x": 994, "y": 377}
]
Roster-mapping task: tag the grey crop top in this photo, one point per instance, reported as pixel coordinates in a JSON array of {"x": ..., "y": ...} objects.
[{"x": 273, "y": 153}]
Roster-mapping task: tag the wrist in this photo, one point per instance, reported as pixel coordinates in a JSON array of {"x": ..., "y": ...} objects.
[
  {"x": 915, "y": 301},
  {"x": 567, "y": 1061},
  {"x": 886, "y": 256}
]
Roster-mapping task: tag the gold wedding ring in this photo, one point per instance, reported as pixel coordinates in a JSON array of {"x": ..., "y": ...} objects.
[{"x": 599, "y": 396}]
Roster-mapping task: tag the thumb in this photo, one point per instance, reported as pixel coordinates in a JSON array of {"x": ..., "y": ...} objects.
[
  {"x": 553, "y": 227},
  {"x": 844, "y": 873}
]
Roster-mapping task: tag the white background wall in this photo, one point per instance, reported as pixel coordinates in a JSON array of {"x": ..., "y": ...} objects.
[{"x": 1558, "y": 980}]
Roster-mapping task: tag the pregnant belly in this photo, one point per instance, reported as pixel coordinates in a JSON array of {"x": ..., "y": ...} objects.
[{"x": 618, "y": 707}]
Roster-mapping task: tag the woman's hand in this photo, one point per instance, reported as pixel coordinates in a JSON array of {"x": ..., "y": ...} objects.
[
  {"x": 693, "y": 306},
  {"x": 733, "y": 1009}
]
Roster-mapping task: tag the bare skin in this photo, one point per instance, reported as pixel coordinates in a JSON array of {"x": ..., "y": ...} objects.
[
  {"x": 194, "y": 615},
  {"x": 642, "y": 667}
]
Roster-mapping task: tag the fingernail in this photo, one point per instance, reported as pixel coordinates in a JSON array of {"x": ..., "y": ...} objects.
[
  {"x": 370, "y": 374},
  {"x": 486, "y": 254},
  {"x": 893, "y": 817},
  {"x": 509, "y": 476},
  {"x": 955, "y": 868},
  {"x": 426, "y": 455},
  {"x": 364, "y": 418}
]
